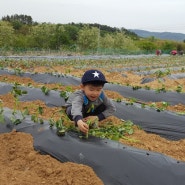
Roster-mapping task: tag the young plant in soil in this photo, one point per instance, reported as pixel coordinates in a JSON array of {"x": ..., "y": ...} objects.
[
  {"x": 118, "y": 100},
  {"x": 162, "y": 89},
  {"x": 113, "y": 132},
  {"x": 65, "y": 94},
  {"x": 179, "y": 88},
  {"x": 61, "y": 129},
  {"x": 59, "y": 124},
  {"x": 91, "y": 125},
  {"x": 163, "y": 106},
  {"x": 16, "y": 91},
  {"x": 109, "y": 130},
  {"x": 45, "y": 90},
  {"x": 17, "y": 71},
  {"x": 35, "y": 117}
]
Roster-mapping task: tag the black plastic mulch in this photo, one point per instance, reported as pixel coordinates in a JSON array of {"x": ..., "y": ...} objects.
[
  {"x": 164, "y": 123},
  {"x": 113, "y": 162}
]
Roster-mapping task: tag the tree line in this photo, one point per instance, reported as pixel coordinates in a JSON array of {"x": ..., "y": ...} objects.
[{"x": 20, "y": 31}]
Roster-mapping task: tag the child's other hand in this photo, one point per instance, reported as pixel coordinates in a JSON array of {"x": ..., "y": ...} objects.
[{"x": 83, "y": 126}]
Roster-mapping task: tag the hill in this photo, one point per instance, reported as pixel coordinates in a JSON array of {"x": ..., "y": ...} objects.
[{"x": 159, "y": 35}]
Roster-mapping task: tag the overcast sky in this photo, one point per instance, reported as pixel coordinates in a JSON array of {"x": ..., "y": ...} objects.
[{"x": 150, "y": 15}]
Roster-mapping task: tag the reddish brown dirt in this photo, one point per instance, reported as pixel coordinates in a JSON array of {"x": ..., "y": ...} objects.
[{"x": 20, "y": 164}]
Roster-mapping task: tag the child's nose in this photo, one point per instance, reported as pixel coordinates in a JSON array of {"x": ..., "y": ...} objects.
[{"x": 96, "y": 93}]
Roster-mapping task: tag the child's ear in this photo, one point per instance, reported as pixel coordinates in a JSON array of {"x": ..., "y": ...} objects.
[{"x": 81, "y": 86}]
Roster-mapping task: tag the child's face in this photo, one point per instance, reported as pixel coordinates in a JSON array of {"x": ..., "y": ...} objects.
[{"x": 92, "y": 92}]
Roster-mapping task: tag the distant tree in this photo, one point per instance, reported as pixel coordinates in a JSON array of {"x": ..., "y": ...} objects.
[
  {"x": 146, "y": 45},
  {"x": 20, "y": 31},
  {"x": 105, "y": 28},
  {"x": 72, "y": 31},
  {"x": 49, "y": 36},
  {"x": 21, "y": 23},
  {"x": 21, "y": 41},
  {"x": 59, "y": 38},
  {"x": 119, "y": 40},
  {"x": 179, "y": 47},
  {"x": 169, "y": 45},
  {"x": 23, "y": 19},
  {"x": 6, "y": 34},
  {"x": 16, "y": 25},
  {"x": 151, "y": 39},
  {"x": 88, "y": 38},
  {"x": 130, "y": 34},
  {"x": 107, "y": 41},
  {"x": 122, "y": 41},
  {"x": 42, "y": 35}
]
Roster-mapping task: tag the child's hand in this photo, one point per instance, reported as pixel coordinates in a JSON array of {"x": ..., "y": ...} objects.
[
  {"x": 93, "y": 120},
  {"x": 83, "y": 126}
]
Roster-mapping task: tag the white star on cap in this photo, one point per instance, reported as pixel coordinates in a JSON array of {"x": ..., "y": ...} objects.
[{"x": 96, "y": 74}]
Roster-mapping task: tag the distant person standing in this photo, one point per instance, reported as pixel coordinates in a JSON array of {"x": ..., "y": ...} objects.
[
  {"x": 158, "y": 52},
  {"x": 181, "y": 52},
  {"x": 174, "y": 52}
]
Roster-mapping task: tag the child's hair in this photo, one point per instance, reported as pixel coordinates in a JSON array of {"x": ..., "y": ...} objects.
[
  {"x": 94, "y": 77},
  {"x": 94, "y": 83}
]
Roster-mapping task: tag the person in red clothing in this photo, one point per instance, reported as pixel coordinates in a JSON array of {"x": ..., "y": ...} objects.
[
  {"x": 173, "y": 52},
  {"x": 158, "y": 52}
]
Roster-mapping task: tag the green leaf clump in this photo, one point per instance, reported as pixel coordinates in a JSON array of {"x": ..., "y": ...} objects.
[{"x": 113, "y": 132}]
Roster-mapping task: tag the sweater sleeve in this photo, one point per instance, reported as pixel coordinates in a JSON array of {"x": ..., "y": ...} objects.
[
  {"x": 110, "y": 107},
  {"x": 77, "y": 103}
]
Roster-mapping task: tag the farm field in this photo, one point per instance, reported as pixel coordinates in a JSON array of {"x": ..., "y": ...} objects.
[{"x": 158, "y": 74}]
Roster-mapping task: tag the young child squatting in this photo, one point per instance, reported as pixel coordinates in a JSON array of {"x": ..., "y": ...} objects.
[{"x": 90, "y": 102}]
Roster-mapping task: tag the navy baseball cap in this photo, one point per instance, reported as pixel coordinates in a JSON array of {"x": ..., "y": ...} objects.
[{"x": 93, "y": 76}]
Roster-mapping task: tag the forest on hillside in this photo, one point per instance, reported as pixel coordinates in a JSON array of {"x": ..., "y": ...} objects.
[{"x": 21, "y": 33}]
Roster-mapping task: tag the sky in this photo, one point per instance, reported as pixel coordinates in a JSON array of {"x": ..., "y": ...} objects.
[{"x": 149, "y": 15}]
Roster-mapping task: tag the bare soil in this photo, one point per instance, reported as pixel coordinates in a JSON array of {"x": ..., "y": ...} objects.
[{"x": 20, "y": 164}]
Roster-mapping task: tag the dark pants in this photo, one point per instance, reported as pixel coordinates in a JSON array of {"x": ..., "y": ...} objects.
[{"x": 97, "y": 111}]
